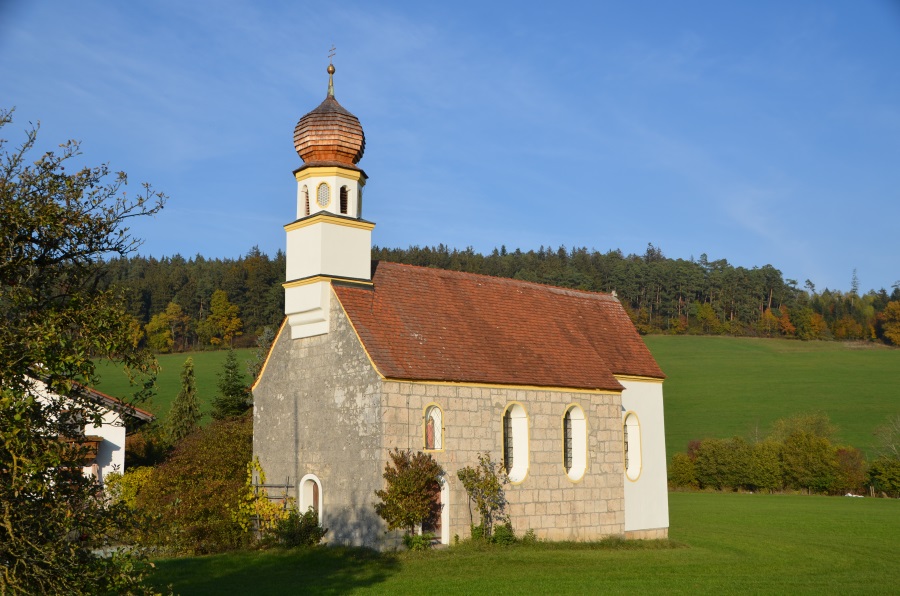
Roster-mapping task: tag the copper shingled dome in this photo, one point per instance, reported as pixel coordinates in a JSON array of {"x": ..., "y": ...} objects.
[{"x": 329, "y": 133}]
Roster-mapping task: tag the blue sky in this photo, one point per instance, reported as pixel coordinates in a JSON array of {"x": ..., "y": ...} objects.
[{"x": 760, "y": 132}]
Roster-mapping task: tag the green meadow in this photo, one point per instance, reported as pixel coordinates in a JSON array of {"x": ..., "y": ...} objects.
[
  {"x": 207, "y": 366},
  {"x": 716, "y": 386},
  {"x": 721, "y": 543},
  {"x": 726, "y": 386}
]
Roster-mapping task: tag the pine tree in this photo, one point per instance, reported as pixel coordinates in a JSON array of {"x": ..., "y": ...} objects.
[
  {"x": 233, "y": 397},
  {"x": 184, "y": 417}
]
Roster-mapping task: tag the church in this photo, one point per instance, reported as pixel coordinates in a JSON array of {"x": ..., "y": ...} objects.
[{"x": 554, "y": 383}]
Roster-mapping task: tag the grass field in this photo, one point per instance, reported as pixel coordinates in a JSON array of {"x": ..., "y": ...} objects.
[
  {"x": 207, "y": 366},
  {"x": 722, "y": 543},
  {"x": 724, "y": 386},
  {"x": 716, "y": 386}
]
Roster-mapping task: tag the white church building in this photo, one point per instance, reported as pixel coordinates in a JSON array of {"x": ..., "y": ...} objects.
[{"x": 554, "y": 383}]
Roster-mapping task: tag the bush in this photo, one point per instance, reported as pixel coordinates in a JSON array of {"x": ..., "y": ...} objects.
[
  {"x": 884, "y": 476},
  {"x": 503, "y": 534},
  {"x": 418, "y": 541},
  {"x": 484, "y": 487},
  {"x": 299, "y": 530},
  {"x": 530, "y": 537},
  {"x": 477, "y": 532},
  {"x": 195, "y": 498},
  {"x": 124, "y": 488},
  {"x": 412, "y": 494},
  {"x": 681, "y": 472}
]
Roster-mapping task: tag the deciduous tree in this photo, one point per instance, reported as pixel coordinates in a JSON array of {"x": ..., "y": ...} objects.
[
  {"x": 412, "y": 488},
  {"x": 56, "y": 227}
]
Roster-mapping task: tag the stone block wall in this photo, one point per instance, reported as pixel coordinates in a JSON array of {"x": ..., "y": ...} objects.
[
  {"x": 317, "y": 410},
  {"x": 546, "y": 500}
]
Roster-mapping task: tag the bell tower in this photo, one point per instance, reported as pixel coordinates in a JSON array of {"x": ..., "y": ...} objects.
[{"x": 329, "y": 241}]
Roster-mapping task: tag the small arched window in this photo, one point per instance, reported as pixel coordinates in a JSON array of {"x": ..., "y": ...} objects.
[
  {"x": 434, "y": 428},
  {"x": 311, "y": 495},
  {"x": 323, "y": 195},
  {"x": 344, "y": 199},
  {"x": 515, "y": 442},
  {"x": 359, "y": 203},
  {"x": 632, "y": 437},
  {"x": 574, "y": 442},
  {"x": 305, "y": 194}
]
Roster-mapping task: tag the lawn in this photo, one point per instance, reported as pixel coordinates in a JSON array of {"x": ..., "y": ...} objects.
[
  {"x": 207, "y": 366},
  {"x": 724, "y": 386},
  {"x": 720, "y": 543}
]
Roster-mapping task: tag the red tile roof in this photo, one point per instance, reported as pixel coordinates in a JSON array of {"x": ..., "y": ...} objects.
[{"x": 423, "y": 324}]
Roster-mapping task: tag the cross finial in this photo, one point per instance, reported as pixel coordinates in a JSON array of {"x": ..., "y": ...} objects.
[{"x": 331, "y": 71}]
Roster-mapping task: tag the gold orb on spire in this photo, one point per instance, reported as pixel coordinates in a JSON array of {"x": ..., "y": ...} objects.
[{"x": 330, "y": 134}]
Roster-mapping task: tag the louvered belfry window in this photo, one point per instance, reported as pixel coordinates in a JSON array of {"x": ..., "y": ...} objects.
[
  {"x": 507, "y": 442},
  {"x": 567, "y": 440},
  {"x": 344, "y": 199}
]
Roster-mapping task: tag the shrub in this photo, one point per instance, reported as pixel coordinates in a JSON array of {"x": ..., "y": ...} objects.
[
  {"x": 681, "y": 472},
  {"x": 195, "y": 497},
  {"x": 299, "y": 530},
  {"x": 722, "y": 463},
  {"x": 484, "y": 487},
  {"x": 764, "y": 467},
  {"x": 503, "y": 534},
  {"x": 124, "y": 488},
  {"x": 411, "y": 497},
  {"x": 884, "y": 476},
  {"x": 850, "y": 474},
  {"x": 477, "y": 532},
  {"x": 809, "y": 462},
  {"x": 529, "y": 537},
  {"x": 418, "y": 541}
]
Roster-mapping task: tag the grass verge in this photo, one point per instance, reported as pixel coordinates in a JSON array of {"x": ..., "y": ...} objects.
[{"x": 720, "y": 543}]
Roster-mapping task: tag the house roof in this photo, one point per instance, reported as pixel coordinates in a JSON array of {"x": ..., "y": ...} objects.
[
  {"x": 418, "y": 323},
  {"x": 114, "y": 403}
]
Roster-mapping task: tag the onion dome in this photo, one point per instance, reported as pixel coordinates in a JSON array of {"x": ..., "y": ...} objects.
[{"x": 329, "y": 134}]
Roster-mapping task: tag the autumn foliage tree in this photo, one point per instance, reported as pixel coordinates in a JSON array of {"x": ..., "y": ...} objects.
[
  {"x": 412, "y": 489},
  {"x": 56, "y": 227}
]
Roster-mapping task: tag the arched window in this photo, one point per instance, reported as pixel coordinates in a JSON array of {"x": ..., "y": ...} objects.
[
  {"x": 515, "y": 442},
  {"x": 311, "y": 495},
  {"x": 434, "y": 428},
  {"x": 323, "y": 195},
  {"x": 344, "y": 200},
  {"x": 359, "y": 203},
  {"x": 574, "y": 442},
  {"x": 632, "y": 437},
  {"x": 305, "y": 194}
]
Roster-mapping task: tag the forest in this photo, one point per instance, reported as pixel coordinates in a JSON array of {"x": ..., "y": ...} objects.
[{"x": 183, "y": 304}]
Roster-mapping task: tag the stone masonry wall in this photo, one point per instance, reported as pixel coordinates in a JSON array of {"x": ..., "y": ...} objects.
[
  {"x": 546, "y": 501},
  {"x": 317, "y": 410}
]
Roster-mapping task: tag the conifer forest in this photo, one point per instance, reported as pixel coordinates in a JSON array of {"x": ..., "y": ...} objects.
[{"x": 182, "y": 304}]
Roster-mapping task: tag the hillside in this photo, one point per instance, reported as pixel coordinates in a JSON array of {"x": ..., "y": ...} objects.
[
  {"x": 207, "y": 366},
  {"x": 725, "y": 386}
]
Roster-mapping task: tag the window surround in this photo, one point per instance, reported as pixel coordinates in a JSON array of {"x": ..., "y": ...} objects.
[
  {"x": 519, "y": 422},
  {"x": 320, "y": 195},
  {"x": 632, "y": 448},
  {"x": 306, "y": 496},
  {"x": 439, "y": 434},
  {"x": 579, "y": 446}
]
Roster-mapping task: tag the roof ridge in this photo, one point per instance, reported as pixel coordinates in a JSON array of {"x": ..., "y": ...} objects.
[{"x": 606, "y": 296}]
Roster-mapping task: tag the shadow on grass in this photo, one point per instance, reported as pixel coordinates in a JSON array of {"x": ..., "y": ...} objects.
[{"x": 317, "y": 570}]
